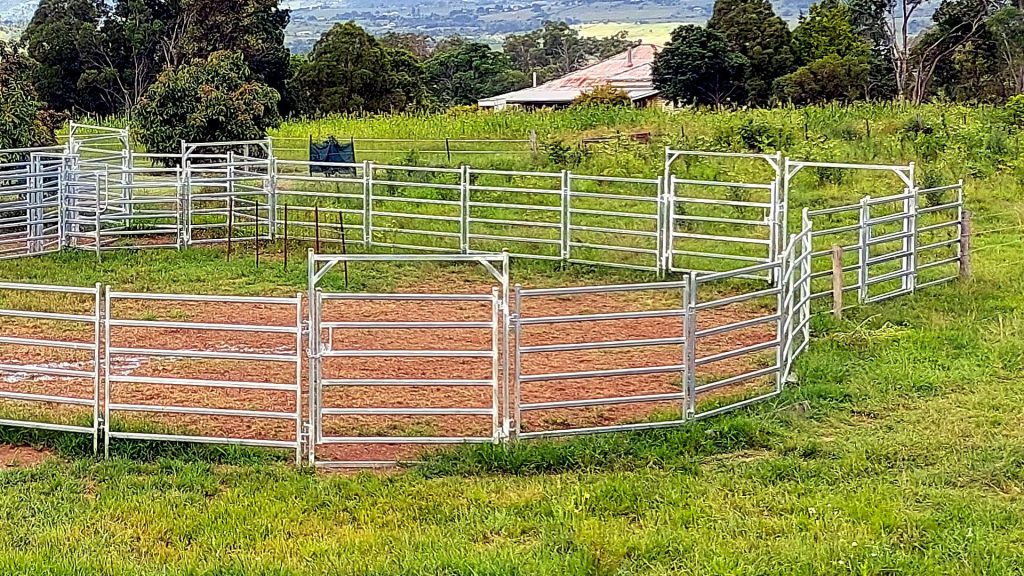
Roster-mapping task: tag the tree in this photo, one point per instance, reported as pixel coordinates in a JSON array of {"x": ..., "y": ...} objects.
[
  {"x": 24, "y": 121},
  {"x": 127, "y": 58},
  {"x": 834, "y": 58},
  {"x": 462, "y": 72},
  {"x": 828, "y": 29},
  {"x": 697, "y": 66},
  {"x": 870, "y": 21},
  {"x": 59, "y": 32},
  {"x": 752, "y": 29},
  {"x": 349, "y": 70},
  {"x": 827, "y": 79},
  {"x": 956, "y": 23},
  {"x": 253, "y": 27},
  {"x": 1006, "y": 27},
  {"x": 216, "y": 99},
  {"x": 419, "y": 45},
  {"x": 557, "y": 49},
  {"x": 603, "y": 95}
]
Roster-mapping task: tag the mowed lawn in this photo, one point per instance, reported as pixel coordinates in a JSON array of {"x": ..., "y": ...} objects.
[{"x": 900, "y": 451}]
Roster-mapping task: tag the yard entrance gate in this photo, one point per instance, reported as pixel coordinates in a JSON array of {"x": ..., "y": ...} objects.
[{"x": 390, "y": 371}]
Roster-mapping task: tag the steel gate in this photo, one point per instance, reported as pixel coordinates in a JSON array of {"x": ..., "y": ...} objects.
[
  {"x": 63, "y": 343},
  {"x": 437, "y": 380}
]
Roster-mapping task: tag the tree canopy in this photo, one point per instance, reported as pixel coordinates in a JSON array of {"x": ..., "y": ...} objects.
[
  {"x": 753, "y": 30},
  {"x": 556, "y": 49},
  {"x": 697, "y": 66},
  {"x": 215, "y": 99},
  {"x": 462, "y": 72},
  {"x": 349, "y": 70},
  {"x": 23, "y": 122}
]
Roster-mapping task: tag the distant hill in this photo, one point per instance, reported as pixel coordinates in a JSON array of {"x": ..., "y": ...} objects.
[
  {"x": 16, "y": 12},
  {"x": 490, "y": 20}
]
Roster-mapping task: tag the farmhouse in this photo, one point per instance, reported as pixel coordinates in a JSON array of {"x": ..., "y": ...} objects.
[{"x": 629, "y": 71}]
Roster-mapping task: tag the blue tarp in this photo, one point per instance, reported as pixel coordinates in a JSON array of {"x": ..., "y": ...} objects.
[{"x": 331, "y": 151}]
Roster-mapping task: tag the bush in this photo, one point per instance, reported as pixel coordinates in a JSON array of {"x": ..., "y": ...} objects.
[
  {"x": 761, "y": 136},
  {"x": 1014, "y": 111},
  {"x": 210, "y": 100},
  {"x": 562, "y": 155},
  {"x": 604, "y": 95}
]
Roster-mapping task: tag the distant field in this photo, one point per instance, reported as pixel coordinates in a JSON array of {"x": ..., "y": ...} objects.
[{"x": 655, "y": 33}]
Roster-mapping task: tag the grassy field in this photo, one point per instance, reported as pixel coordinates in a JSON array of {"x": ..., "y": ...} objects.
[
  {"x": 900, "y": 449},
  {"x": 650, "y": 32}
]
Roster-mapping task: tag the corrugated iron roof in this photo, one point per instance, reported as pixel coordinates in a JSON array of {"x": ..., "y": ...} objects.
[{"x": 630, "y": 71}]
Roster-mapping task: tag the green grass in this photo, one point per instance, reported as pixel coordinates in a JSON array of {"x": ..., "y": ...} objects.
[{"x": 899, "y": 451}]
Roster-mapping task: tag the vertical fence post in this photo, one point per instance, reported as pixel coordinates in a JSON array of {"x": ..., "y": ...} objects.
[
  {"x": 965, "y": 245},
  {"x": 690, "y": 346},
  {"x": 864, "y": 248},
  {"x": 105, "y": 319},
  {"x": 659, "y": 227},
  {"x": 668, "y": 223},
  {"x": 256, "y": 232},
  {"x": 448, "y": 148},
  {"x": 313, "y": 347},
  {"x": 285, "y": 245},
  {"x": 230, "y": 171},
  {"x": 806, "y": 283},
  {"x": 101, "y": 365},
  {"x": 186, "y": 204},
  {"x": 517, "y": 366},
  {"x": 231, "y": 223},
  {"x": 911, "y": 241},
  {"x": 464, "y": 176},
  {"x": 837, "y": 281},
  {"x": 127, "y": 179},
  {"x": 272, "y": 197},
  {"x": 98, "y": 214},
  {"x": 344, "y": 245},
  {"x": 785, "y": 304},
  {"x": 565, "y": 214},
  {"x": 34, "y": 210},
  {"x": 316, "y": 228},
  {"x": 367, "y": 204},
  {"x": 62, "y": 203},
  {"x": 497, "y": 383}
]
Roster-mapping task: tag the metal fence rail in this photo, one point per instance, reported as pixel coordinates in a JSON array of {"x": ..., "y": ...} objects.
[
  {"x": 889, "y": 246},
  {"x": 612, "y": 361},
  {"x": 337, "y": 360},
  {"x": 724, "y": 337},
  {"x": 63, "y": 345},
  {"x": 30, "y": 210},
  {"x": 202, "y": 363}
]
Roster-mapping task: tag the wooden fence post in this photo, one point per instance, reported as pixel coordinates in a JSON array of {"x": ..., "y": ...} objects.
[
  {"x": 837, "y": 281},
  {"x": 965, "y": 246}
]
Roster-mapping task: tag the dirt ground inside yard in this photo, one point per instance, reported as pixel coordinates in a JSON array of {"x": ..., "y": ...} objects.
[
  {"x": 22, "y": 456},
  {"x": 281, "y": 371}
]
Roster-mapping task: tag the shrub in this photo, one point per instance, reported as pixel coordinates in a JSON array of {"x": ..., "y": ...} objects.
[
  {"x": 604, "y": 95},
  {"x": 1014, "y": 111},
  {"x": 761, "y": 136},
  {"x": 562, "y": 155},
  {"x": 210, "y": 100}
]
